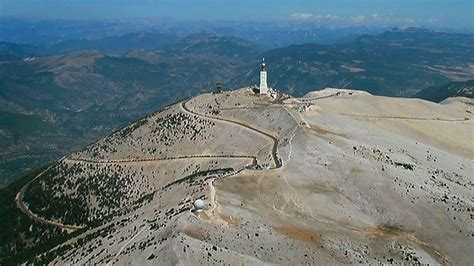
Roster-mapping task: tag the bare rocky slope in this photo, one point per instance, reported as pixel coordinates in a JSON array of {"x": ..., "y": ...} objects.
[{"x": 337, "y": 176}]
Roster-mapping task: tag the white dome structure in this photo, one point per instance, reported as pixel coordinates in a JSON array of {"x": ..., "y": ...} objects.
[{"x": 199, "y": 205}]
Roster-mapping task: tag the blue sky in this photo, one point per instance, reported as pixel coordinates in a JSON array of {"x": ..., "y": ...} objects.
[{"x": 416, "y": 12}]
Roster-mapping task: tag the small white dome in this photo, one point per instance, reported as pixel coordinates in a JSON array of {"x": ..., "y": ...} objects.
[{"x": 199, "y": 204}]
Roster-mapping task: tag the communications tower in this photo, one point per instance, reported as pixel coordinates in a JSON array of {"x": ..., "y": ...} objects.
[{"x": 263, "y": 79}]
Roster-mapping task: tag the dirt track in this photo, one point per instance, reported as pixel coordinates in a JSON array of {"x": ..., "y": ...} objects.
[{"x": 407, "y": 118}]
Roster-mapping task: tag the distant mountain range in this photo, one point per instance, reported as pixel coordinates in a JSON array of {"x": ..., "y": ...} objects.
[
  {"x": 54, "y": 104},
  {"x": 57, "y": 98},
  {"x": 269, "y": 34},
  {"x": 16, "y": 51},
  {"x": 395, "y": 63},
  {"x": 116, "y": 45}
]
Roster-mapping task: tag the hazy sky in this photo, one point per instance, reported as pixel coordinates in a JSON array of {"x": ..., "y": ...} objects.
[{"x": 436, "y": 12}]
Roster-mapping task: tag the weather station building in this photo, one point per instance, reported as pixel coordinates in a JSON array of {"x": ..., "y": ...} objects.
[{"x": 263, "y": 79}]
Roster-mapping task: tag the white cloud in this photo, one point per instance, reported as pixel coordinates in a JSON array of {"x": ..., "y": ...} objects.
[
  {"x": 331, "y": 16},
  {"x": 301, "y": 16},
  {"x": 373, "y": 18},
  {"x": 433, "y": 20},
  {"x": 358, "y": 19}
]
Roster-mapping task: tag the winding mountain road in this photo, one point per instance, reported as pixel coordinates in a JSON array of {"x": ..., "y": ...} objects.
[
  {"x": 276, "y": 161},
  {"x": 21, "y": 205},
  {"x": 124, "y": 246},
  {"x": 212, "y": 197},
  {"x": 138, "y": 160}
]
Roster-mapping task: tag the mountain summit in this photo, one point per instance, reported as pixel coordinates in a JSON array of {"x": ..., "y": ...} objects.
[{"x": 334, "y": 176}]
